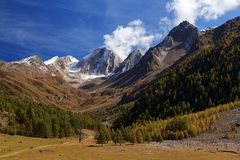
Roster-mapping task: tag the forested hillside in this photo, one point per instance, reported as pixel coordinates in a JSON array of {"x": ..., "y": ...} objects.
[
  {"x": 23, "y": 117},
  {"x": 209, "y": 78},
  {"x": 178, "y": 127}
]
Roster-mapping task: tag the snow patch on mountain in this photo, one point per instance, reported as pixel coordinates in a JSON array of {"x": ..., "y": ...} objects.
[
  {"x": 28, "y": 60},
  {"x": 33, "y": 61},
  {"x": 92, "y": 76},
  {"x": 73, "y": 59},
  {"x": 51, "y": 61}
]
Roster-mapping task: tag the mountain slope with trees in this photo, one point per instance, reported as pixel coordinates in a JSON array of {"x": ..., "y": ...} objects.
[
  {"x": 207, "y": 79},
  {"x": 24, "y": 117}
]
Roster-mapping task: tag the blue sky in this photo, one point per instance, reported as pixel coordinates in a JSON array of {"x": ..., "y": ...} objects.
[{"x": 76, "y": 27}]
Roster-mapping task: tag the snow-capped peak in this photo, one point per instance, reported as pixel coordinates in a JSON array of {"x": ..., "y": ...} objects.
[
  {"x": 61, "y": 64},
  {"x": 27, "y": 60},
  {"x": 69, "y": 59},
  {"x": 32, "y": 61},
  {"x": 51, "y": 61},
  {"x": 99, "y": 62},
  {"x": 72, "y": 59}
]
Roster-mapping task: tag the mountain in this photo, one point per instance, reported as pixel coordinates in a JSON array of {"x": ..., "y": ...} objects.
[
  {"x": 100, "y": 62},
  {"x": 179, "y": 43},
  {"x": 61, "y": 64},
  {"x": 201, "y": 81},
  {"x": 32, "y": 79},
  {"x": 127, "y": 86},
  {"x": 211, "y": 36},
  {"x": 30, "y": 64},
  {"x": 32, "y": 60},
  {"x": 61, "y": 61},
  {"x": 132, "y": 59}
]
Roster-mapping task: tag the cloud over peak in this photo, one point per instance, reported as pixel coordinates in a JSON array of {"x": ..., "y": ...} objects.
[
  {"x": 124, "y": 39},
  {"x": 192, "y": 10}
]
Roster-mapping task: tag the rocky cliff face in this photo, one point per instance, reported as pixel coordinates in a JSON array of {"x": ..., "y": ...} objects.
[
  {"x": 132, "y": 59},
  {"x": 100, "y": 62},
  {"x": 176, "y": 44}
]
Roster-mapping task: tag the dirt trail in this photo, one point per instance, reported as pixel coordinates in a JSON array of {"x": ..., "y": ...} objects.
[{"x": 35, "y": 148}]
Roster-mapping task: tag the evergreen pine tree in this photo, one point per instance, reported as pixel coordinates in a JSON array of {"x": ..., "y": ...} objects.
[
  {"x": 139, "y": 136},
  {"x": 101, "y": 138},
  {"x": 148, "y": 138},
  {"x": 132, "y": 137}
]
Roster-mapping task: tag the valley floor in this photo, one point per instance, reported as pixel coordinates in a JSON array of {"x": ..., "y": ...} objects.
[
  {"x": 17, "y": 147},
  {"x": 210, "y": 145}
]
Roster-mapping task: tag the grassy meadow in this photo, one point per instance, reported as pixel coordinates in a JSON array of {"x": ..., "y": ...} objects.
[{"x": 25, "y": 148}]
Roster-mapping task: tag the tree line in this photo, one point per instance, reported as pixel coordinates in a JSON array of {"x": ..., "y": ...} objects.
[
  {"x": 29, "y": 118},
  {"x": 175, "y": 128}
]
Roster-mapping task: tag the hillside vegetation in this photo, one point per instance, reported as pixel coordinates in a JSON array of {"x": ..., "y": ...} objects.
[
  {"x": 23, "y": 117},
  {"x": 175, "y": 128},
  {"x": 178, "y": 127},
  {"x": 207, "y": 79}
]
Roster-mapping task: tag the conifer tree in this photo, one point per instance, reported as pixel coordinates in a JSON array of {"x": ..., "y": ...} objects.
[
  {"x": 120, "y": 139},
  {"x": 148, "y": 138},
  {"x": 133, "y": 137},
  {"x": 101, "y": 137},
  {"x": 114, "y": 137},
  {"x": 107, "y": 133},
  {"x": 139, "y": 136},
  {"x": 159, "y": 138}
]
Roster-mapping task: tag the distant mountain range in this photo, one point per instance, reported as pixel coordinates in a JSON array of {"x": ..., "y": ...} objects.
[{"x": 102, "y": 62}]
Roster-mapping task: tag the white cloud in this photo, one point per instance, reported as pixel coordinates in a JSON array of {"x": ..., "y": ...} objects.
[
  {"x": 124, "y": 39},
  {"x": 136, "y": 22},
  {"x": 192, "y": 10}
]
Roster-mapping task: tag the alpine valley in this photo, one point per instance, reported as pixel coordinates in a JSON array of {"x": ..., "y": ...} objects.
[{"x": 185, "y": 87}]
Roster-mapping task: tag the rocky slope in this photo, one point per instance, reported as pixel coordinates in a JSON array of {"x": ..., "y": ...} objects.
[
  {"x": 31, "y": 78},
  {"x": 132, "y": 59}
]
